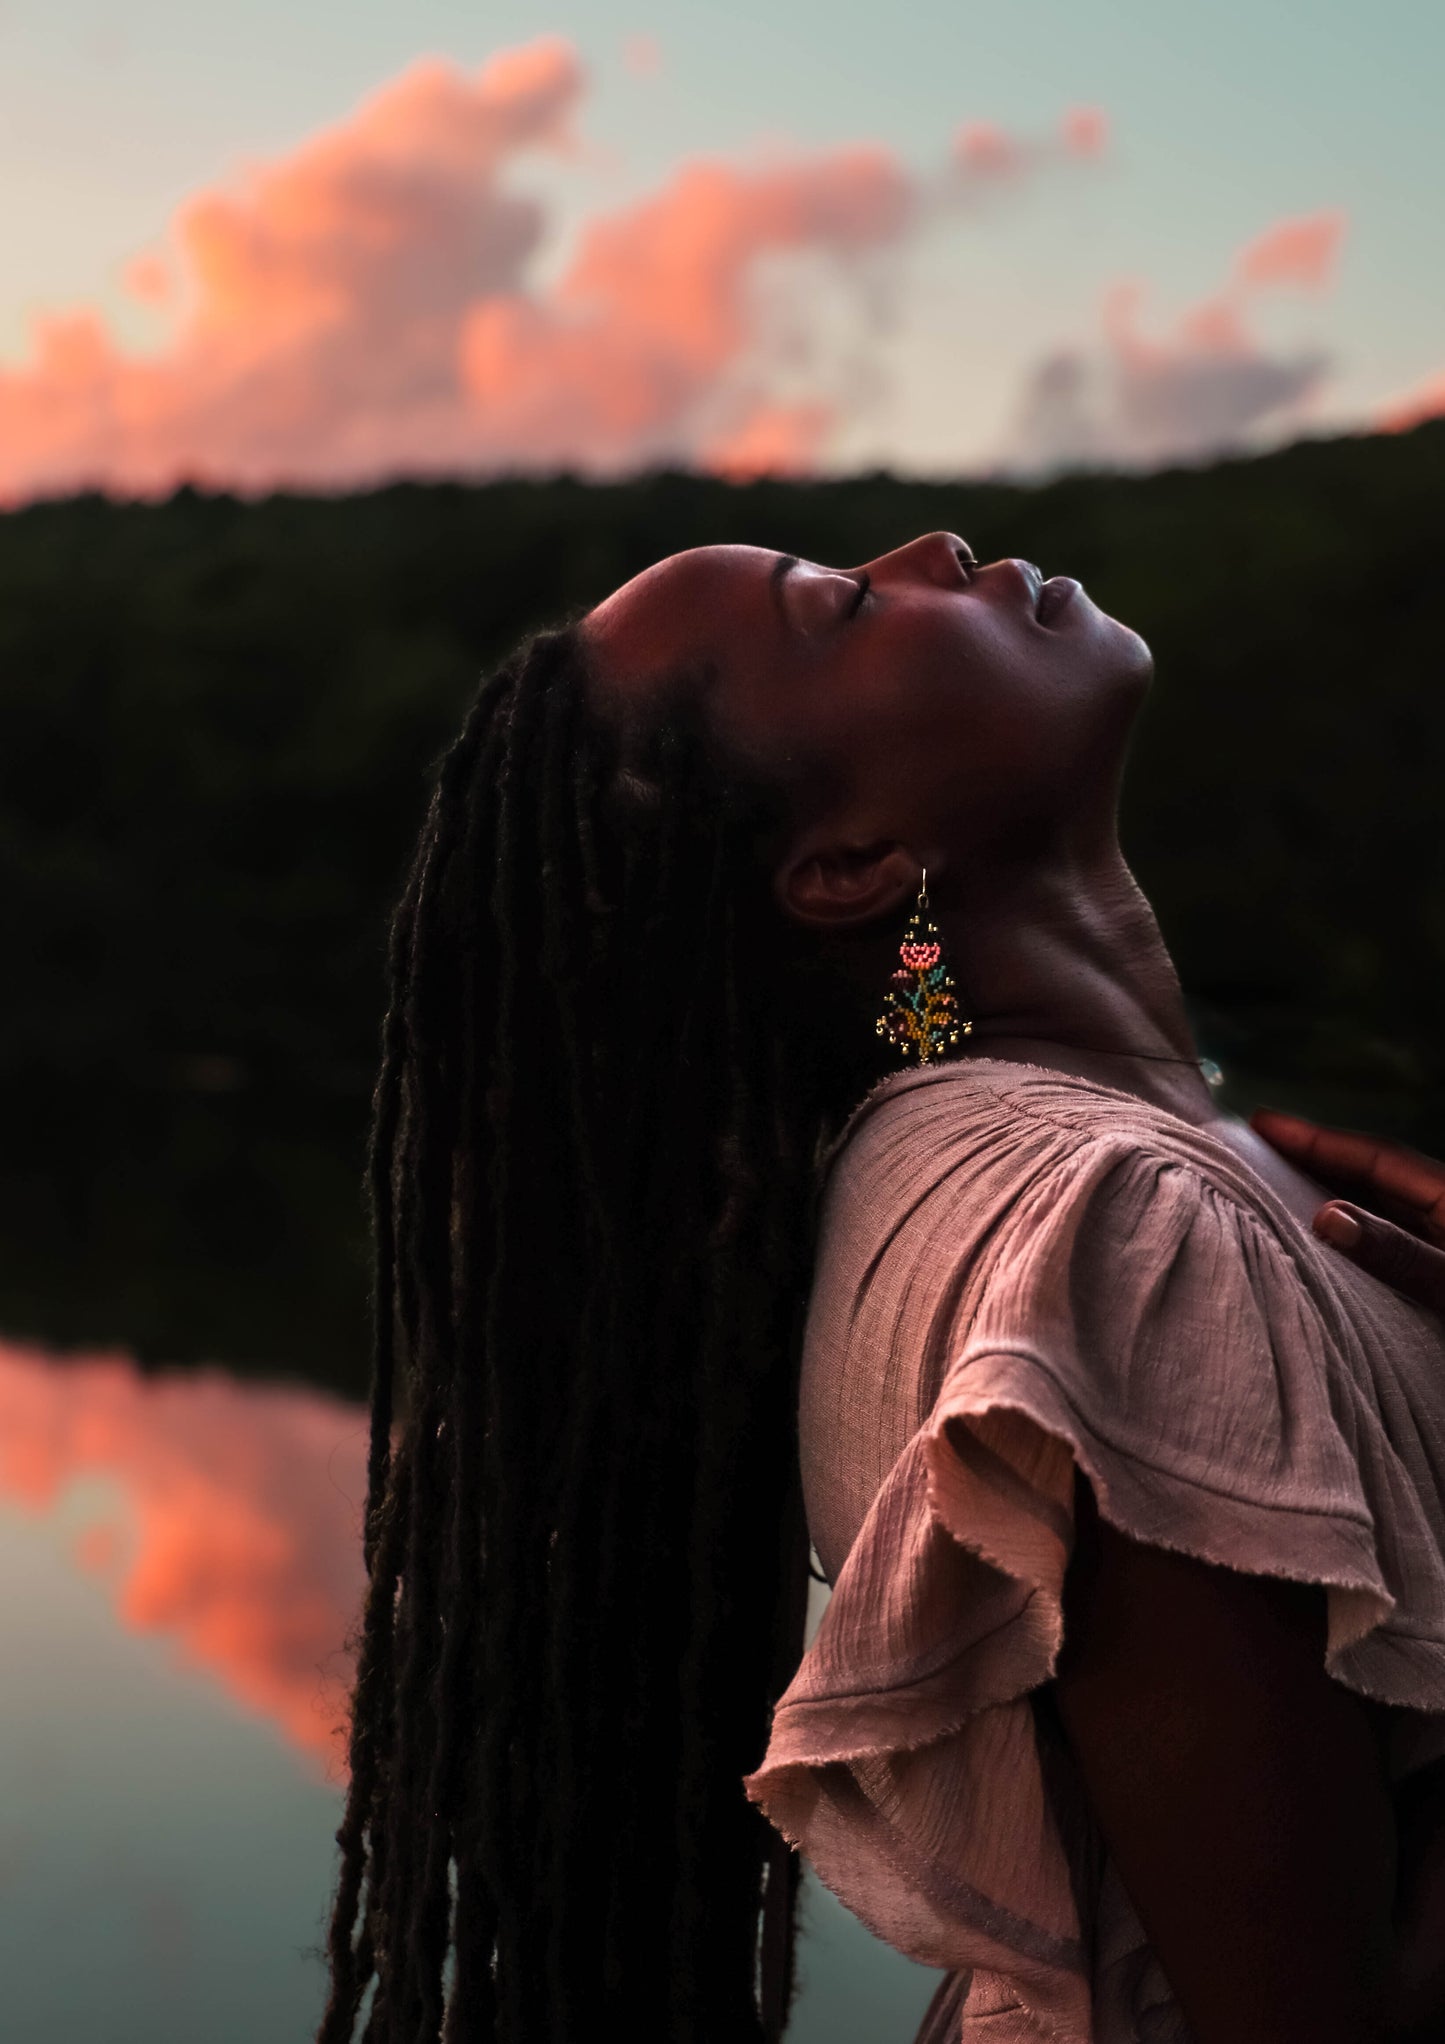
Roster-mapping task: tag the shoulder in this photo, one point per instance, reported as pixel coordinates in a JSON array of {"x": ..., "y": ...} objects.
[
  {"x": 982, "y": 1146},
  {"x": 971, "y": 1117},
  {"x": 956, "y": 1124},
  {"x": 1124, "y": 1253},
  {"x": 1140, "y": 1257}
]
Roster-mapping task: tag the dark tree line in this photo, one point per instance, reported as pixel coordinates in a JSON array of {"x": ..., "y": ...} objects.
[{"x": 216, "y": 719}]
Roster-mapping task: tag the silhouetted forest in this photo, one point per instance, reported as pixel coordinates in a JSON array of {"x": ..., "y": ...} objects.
[{"x": 216, "y": 720}]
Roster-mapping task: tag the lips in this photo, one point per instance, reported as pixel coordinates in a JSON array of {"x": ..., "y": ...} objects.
[
  {"x": 1024, "y": 576},
  {"x": 1056, "y": 592},
  {"x": 1043, "y": 598}
]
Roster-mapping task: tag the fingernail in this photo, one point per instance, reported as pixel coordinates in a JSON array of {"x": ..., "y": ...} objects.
[{"x": 1338, "y": 1227}]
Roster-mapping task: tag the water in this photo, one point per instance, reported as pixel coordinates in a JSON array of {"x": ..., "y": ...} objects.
[{"x": 180, "y": 1563}]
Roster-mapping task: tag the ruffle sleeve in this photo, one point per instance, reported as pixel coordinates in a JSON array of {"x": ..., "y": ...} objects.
[{"x": 1142, "y": 1324}]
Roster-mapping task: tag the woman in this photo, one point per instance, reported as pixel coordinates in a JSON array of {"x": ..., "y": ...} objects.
[{"x": 643, "y": 1150}]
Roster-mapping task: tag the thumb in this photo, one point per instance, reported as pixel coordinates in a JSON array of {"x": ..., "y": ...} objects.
[{"x": 1385, "y": 1251}]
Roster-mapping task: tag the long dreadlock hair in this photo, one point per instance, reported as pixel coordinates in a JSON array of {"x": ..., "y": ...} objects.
[{"x": 606, "y": 1076}]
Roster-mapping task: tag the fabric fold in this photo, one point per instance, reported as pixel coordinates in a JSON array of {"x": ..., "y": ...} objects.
[{"x": 1019, "y": 1275}]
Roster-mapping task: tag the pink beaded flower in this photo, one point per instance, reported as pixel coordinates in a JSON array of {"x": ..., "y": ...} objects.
[{"x": 920, "y": 1015}]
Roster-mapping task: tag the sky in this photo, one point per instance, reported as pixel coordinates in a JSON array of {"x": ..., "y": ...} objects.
[{"x": 313, "y": 246}]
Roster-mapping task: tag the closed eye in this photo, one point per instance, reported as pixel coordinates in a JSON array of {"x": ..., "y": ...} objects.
[{"x": 863, "y": 586}]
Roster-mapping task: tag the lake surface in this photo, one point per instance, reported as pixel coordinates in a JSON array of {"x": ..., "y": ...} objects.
[{"x": 180, "y": 1565}]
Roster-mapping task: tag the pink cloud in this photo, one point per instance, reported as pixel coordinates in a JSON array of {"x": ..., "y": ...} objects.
[
  {"x": 1085, "y": 130},
  {"x": 772, "y": 440},
  {"x": 1206, "y": 387},
  {"x": 1301, "y": 252},
  {"x": 984, "y": 148},
  {"x": 648, "y": 345},
  {"x": 316, "y": 300},
  {"x": 367, "y": 305},
  {"x": 239, "y": 1535},
  {"x": 1425, "y": 401},
  {"x": 987, "y": 153}
]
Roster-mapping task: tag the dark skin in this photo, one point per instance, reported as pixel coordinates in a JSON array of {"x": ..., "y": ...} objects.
[
  {"x": 943, "y": 725},
  {"x": 1398, "y": 1235},
  {"x": 1392, "y": 1223}
]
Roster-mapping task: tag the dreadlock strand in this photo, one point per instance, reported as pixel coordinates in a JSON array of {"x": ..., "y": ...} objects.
[
  {"x": 458, "y": 1701},
  {"x": 571, "y": 1643},
  {"x": 587, "y": 1530},
  {"x": 405, "y": 1905},
  {"x": 376, "y": 1708},
  {"x": 386, "y": 1108},
  {"x": 351, "y": 1965},
  {"x": 455, "y": 1047},
  {"x": 471, "y": 2012},
  {"x": 515, "y": 1591},
  {"x": 416, "y": 1942}
]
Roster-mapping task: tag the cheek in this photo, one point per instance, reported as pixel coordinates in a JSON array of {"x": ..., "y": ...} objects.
[
  {"x": 1008, "y": 756},
  {"x": 992, "y": 718},
  {"x": 907, "y": 737}
]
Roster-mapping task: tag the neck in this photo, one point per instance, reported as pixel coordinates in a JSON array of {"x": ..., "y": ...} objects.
[{"x": 1068, "y": 970}]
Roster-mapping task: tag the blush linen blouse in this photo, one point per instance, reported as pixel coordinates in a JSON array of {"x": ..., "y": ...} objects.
[{"x": 1018, "y": 1271}]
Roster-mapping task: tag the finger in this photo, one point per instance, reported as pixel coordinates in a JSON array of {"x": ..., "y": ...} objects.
[
  {"x": 1338, "y": 1150},
  {"x": 1303, "y": 1142},
  {"x": 1286, "y": 1131},
  {"x": 1363, "y": 1162},
  {"x": 1327, "y": 1151},
  {"x": 1387, "y": 1252}
]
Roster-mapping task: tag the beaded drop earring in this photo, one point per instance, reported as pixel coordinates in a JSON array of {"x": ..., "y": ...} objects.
[{"x": 920, "y": 1015}]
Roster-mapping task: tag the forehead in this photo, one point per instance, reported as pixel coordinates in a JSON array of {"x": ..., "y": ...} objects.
[
  {"x": 680, "y": 608},
  {"x": 713, "y": 615}
]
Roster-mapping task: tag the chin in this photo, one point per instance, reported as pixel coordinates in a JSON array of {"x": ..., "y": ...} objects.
[
  {"x": 1124, "y": 674},
  {"x": 1133, "y": 662}
]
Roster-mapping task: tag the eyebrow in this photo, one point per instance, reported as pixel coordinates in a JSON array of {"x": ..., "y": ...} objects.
[{"x": 781, "y": 569}]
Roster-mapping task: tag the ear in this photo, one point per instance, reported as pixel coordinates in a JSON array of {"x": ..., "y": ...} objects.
[{"x": 842, "y": 887}]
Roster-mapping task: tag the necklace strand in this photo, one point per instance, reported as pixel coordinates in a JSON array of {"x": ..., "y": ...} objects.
[{"x": 1211, "y": 1071}]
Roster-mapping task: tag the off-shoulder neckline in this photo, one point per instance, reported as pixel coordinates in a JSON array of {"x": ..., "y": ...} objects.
[
  {"x": 957, "y": 1068},
  {"x": 1221, "y": 1166}
]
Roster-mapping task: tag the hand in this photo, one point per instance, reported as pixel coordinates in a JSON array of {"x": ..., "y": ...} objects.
[{"x": 1402, "y": 1240}]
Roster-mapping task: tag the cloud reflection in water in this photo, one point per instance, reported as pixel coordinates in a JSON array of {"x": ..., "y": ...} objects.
[{"x": 241, "y": 1529}]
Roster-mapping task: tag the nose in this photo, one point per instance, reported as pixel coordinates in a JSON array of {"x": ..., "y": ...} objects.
[{"x": 934, "y": 556}]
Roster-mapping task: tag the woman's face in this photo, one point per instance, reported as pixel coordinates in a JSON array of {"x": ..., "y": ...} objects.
[{"x": 947, "y": 721}]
